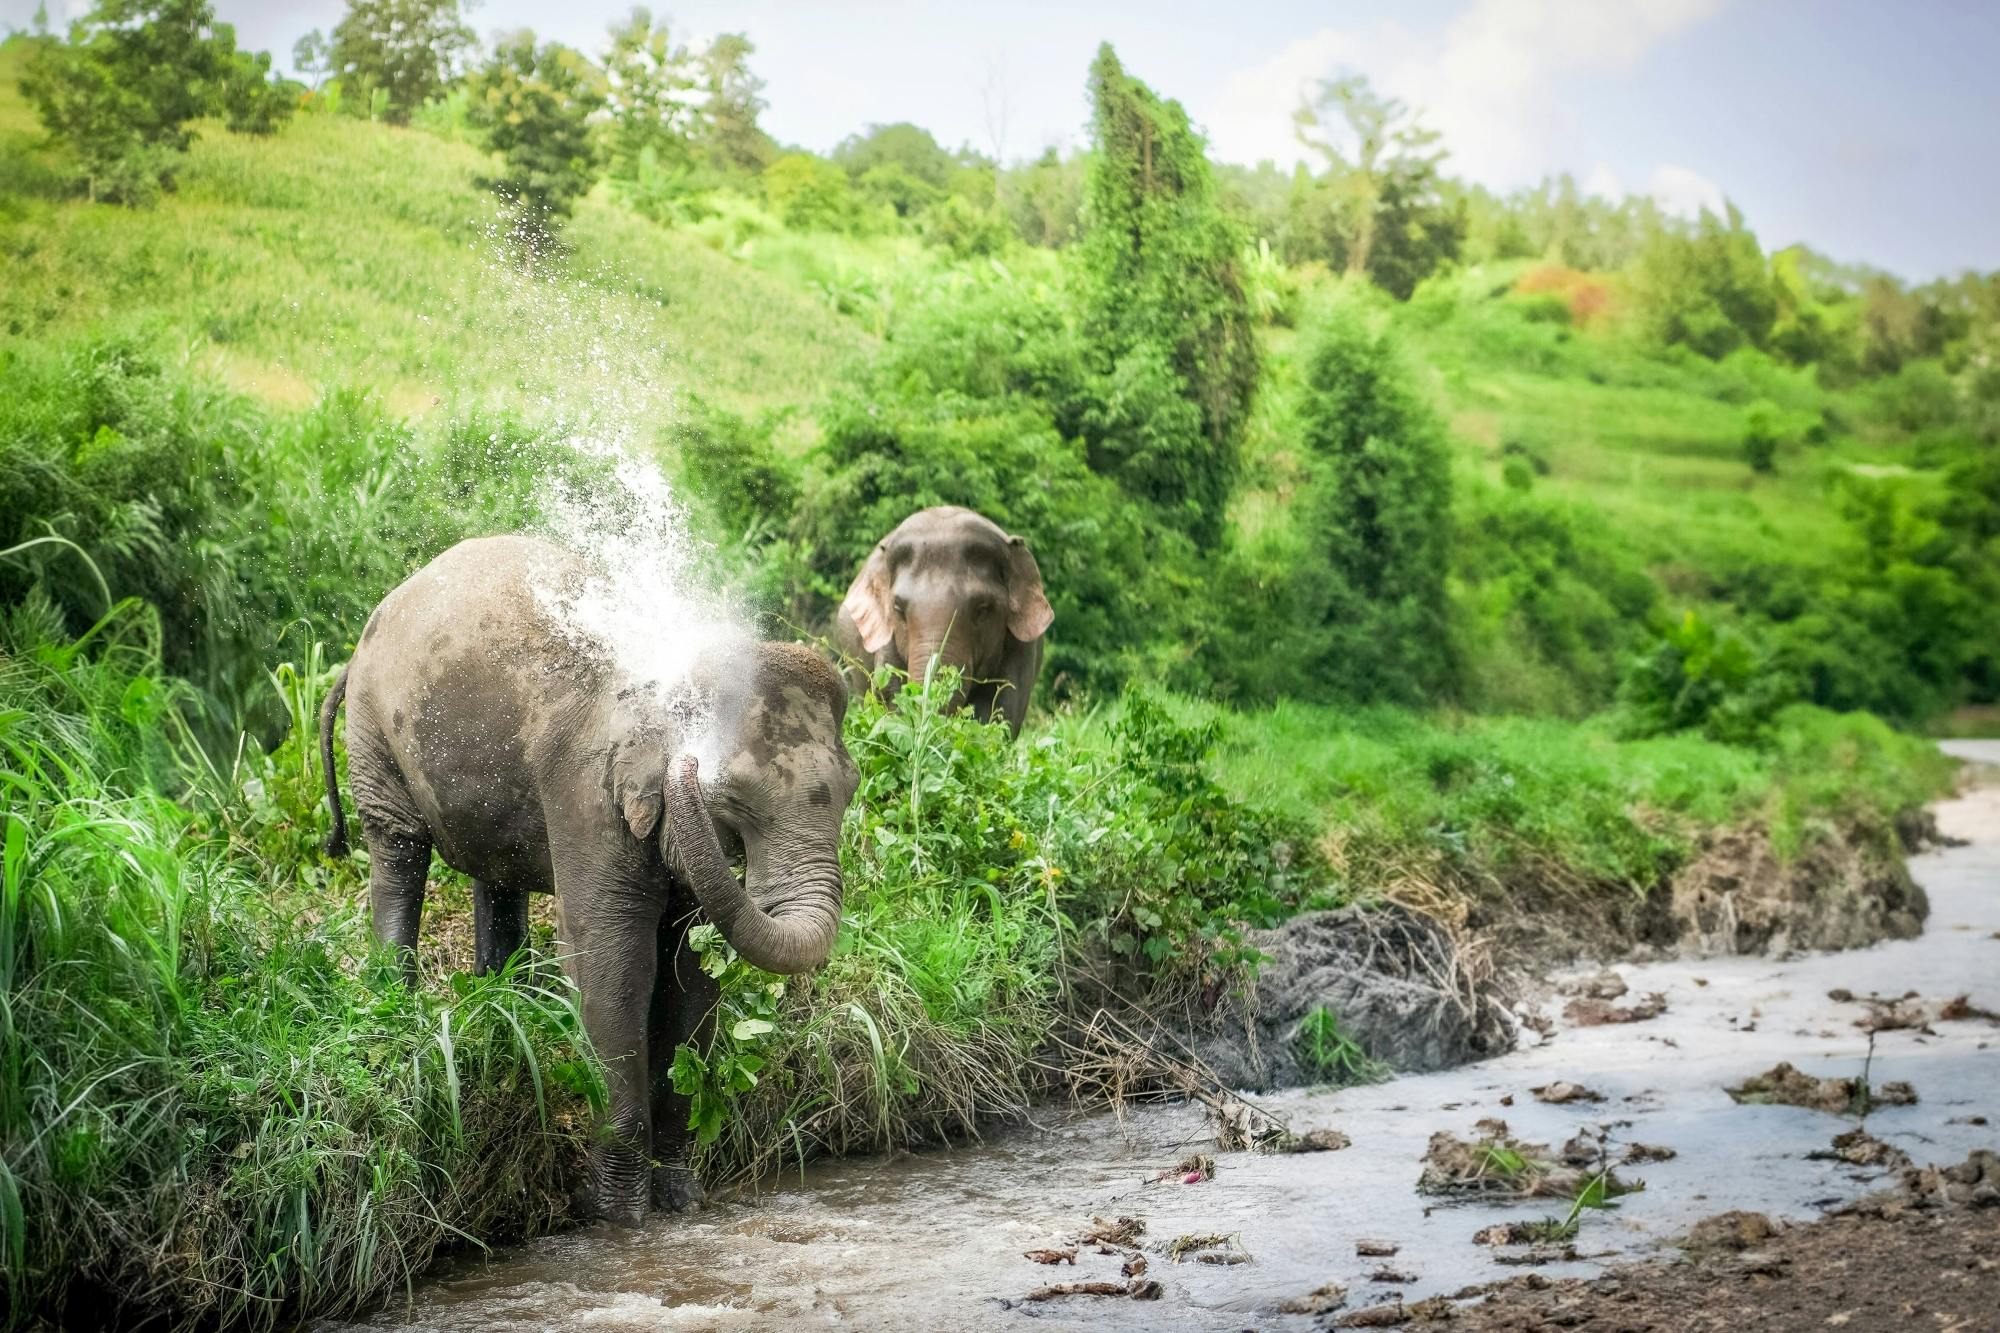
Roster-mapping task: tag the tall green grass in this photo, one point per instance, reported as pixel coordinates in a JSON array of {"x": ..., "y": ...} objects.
[{"x": 217, "y": 1105}]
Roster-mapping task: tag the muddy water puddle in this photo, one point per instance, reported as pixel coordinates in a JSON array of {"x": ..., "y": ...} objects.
[{"x": 936, "y": 1240}]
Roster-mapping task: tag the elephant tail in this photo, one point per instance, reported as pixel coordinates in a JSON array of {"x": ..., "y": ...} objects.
[{"x": 336, "y": 841}]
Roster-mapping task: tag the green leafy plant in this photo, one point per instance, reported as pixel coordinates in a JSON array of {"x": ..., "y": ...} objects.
[{"x": 1329, "y": 1055}]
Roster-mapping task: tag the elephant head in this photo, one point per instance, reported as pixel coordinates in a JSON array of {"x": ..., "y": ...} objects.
[
  {"x": 950, "y": 584},
  {"x": 778, "y": 781}
]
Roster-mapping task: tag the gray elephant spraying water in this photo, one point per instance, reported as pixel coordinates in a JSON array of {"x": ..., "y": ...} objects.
[
  {"x": 478, "y": 725},
  {"x": 952, "y": 584}
]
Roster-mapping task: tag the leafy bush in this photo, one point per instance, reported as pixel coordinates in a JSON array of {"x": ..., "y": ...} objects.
[
  {"x": 1546, "y": 604},
  {"x": 1701, "y": 677},
  {"x": 992, "y": 888},
  {"x": 1707, "y": 289},
  {"x": 1761, "y": 437},
  {"x": 534, "y": 103},
  {"x": 965, "y": 229},
  {"x": 809, "y": 193}
]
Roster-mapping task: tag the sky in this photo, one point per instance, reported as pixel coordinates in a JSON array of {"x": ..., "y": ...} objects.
[{"x": 1868, "y": 130}]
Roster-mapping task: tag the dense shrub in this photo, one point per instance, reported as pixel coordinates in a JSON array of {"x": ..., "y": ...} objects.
[
  {"x": 1377, "y": 520},
  {"x": 1761, "y": 437},
  {"x": 1698, "y": 676},
  {"x": 1546, "y": 604}
]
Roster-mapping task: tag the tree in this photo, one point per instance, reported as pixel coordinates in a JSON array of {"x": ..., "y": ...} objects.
[
  {"x": 809, "y": 193},
  {"x": 903, "y": 145},
  {"x": 1045, "y": 198},
  {"x": 1164, "y": 308},
  {"x": 252, "y": 102},
  {"x": 1379, "y": 518},
  {"x": 647, "y": 79},
  {"x": 312, "y": 56},
  {"x": 1389, "y": 213},
  {"x": 407, "y": 50},
  {"x": 730, "y": 134},
  {"x": 534, "y": 101},
  {"x": 122, "y": 90},
  {"x": 1709, "y": 290}
]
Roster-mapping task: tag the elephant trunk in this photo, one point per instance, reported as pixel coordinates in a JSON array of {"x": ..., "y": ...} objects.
[
  {"x": 797, "y": 934},
  {"x": 950, "y": 650}
]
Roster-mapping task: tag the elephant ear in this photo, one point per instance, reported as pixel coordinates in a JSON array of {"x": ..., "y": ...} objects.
[
  {"x": 638, "y": 778},
  {"x": 1028, "y": 611},
  {"x": 867, "y": 601}
]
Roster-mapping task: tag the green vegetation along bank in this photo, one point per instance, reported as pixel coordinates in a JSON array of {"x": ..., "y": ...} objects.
[{"x": 1446, "y": 574}]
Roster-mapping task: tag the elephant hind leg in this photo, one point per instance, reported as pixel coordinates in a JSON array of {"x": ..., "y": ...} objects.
[
  {"x": 499, "y": 925},
  {"x": 398, "y": 866}
]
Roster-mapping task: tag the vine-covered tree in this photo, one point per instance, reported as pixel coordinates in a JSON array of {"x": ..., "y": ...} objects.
[
  {"x": 120, "y": 93},
  {"x": 534, "y": 101},
  {"x": 407, "y": 51},
  {"x": 1164, "y": 307}
]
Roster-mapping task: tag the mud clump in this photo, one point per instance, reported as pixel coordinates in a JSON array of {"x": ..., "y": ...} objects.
[
  {"x": 1396, "y": 1314},
  {"x": 1735, "y": 1230},
  {"x": 1589, "y": 1011},
  {"x": 1499, "y": 1166},
  {"x": 1846, "y": 889},
  {"x": 1562, "y": 1093},
  {"x": 1973, "y": 1183},
  {"x": 1396, "y": 981},
  {"x": 1138, "y": 1289},
  {"x": 1857, "y": 1147},
  {"x": 1320, "y": 1300},
  {"x": 1783, "y": 1085},
  {"x": 1604, "y": 984},
  {"x": 1637, "y": 1154}
]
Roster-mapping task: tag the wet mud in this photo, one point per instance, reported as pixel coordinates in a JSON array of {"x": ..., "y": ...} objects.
[{"x": 946, "y": 1239}]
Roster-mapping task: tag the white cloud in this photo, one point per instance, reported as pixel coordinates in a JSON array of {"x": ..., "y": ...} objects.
[
  {"x": 1685, "y": 192},
  {"x": 1603, "y": 182},
  {"x": 1489, "y": 80}
]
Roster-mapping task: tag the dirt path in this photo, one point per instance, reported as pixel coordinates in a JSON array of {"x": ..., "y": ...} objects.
[{"x": 937, "y": 1240}]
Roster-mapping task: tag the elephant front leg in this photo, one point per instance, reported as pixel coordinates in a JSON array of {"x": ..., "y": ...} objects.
[
  {"x": 613, "y": 959},
  {"x": 684, "y": 1007},
  {"x": 499, "y": 926}
]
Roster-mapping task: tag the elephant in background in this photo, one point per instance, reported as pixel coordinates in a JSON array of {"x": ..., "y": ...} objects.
[
  {"x": 479, "y": 727},
  {"x": 952, "y": 584}
]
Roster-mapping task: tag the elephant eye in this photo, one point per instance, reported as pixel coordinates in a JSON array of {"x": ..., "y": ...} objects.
[{"x": 902, "y": 608}]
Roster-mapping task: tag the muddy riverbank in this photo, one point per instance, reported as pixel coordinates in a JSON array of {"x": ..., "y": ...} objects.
[{"x": 937, "y": 1240}]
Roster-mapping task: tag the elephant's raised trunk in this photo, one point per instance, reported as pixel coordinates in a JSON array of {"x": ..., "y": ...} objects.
[{"x": 797, "y": 934}]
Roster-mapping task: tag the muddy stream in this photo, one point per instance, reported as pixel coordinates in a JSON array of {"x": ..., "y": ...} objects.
[{"x": 935, "y": 1240}]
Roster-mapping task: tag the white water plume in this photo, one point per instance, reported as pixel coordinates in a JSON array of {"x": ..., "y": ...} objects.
[{"x": 594, "y": 383}]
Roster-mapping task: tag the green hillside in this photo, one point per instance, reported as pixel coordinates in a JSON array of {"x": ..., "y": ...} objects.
[{"x": 1438, "y": 594}]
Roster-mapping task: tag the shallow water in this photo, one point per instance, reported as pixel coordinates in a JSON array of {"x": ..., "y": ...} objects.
[{"x": 934, "y": 1240}]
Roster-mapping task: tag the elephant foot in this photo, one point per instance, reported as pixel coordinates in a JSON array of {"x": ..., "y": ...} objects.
[
  {"x": 677, "y": 1188},
  {"x": 617, "y": 1189}
]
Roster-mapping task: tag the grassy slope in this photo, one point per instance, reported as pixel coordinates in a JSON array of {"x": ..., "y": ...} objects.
[
  {"x": 1654, "y": 446},
  {"x": 337, "y": 253}
]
